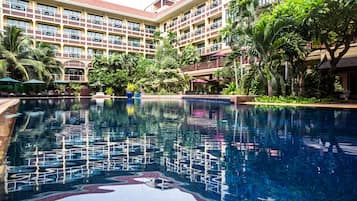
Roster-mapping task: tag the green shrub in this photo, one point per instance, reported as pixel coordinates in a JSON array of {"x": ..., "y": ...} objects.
[
  {"x": 109, "y": 91},
  {"x": 292, "y": 99}
]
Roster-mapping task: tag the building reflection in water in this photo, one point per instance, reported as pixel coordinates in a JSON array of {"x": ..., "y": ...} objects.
[{"x": 229, "y": 153}]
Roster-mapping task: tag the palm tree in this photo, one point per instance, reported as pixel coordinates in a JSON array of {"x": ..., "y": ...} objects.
[
  {"x": 128, "y": 62},
  {"x": 45, "y": 53},
  {"x": 15, "y": 51},
  {"x": 19, "y": 58}
]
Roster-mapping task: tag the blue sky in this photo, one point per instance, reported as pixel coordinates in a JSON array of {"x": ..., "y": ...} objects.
[{"x": 140, "y": 4}]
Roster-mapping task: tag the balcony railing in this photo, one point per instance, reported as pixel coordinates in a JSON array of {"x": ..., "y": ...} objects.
[
  {"x": 204, "y": 65},
  {"x": 17, "y": 9},
  {"x": 73, "y": 39},
  {"x": 48, "y": 35},
  {"x": 116, "y": 28},
  {"x": 74, "y": 20},
  {"x": 49, "y": 16},
  {"x": 97, "y": 24},
  {"x": 71, "y": 77},
  {"x": 215, "y": 7},
  {"x": 73, "y": 55}
]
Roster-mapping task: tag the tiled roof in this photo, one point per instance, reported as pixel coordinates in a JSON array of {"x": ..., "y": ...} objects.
[
  {"x": 128, "y": 11},
  {"x": 113, "y": 6}
]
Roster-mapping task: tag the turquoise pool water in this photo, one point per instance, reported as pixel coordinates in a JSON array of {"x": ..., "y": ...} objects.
[{"x": 179, "y": 150}]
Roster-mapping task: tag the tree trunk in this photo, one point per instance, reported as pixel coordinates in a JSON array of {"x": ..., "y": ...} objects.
[
  {"x": 270, "y": 88},
  {"x": 235, "y": 73},
  {"x": 301, "y": 85},
  {"x": 293, "y": 87}
]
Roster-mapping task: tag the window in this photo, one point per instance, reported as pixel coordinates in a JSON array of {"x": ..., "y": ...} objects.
[
  {"x": 134, "y": 42},
  {"x": 47, "y": 10},
  {"x": 47, "y": 30},
  {"x": 18, "y": 4},
  {"x": 92, "y": 52},
  {"x": 74, "y": 52},
  {"x": 95, "y": 19},
  {"x": 201, "y": 47},
  {"x": 19, "y": 24},
  {"x": 215, "y": 3},
  {"x": 200, "y": 9},
  {"x": 216, "y": 23},
  {"x": 116, "y": 23},
  {"x": 134, "y": 26},
  {"x": 73, "y": 33},
  {"x": 115, "y": 39},
  {"x": 200, "y": 28},
  {"x": 150, "y": 44},
  {"x": 96, "y": 37},
  {"x": 72, "y": 15},
  {"x": 150, "y": 28},
  {"x": 186, "y": 16}
]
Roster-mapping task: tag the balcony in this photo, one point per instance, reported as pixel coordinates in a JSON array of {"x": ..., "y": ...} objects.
[
  {"x": 48, "y": 35},
  {"x": 117, "y": 44},
  {"x": 136, "y": 46},
  {"x": 204, "y": 65},
  {"x": 73, "y": 55},
  {"x": 215, "y": 8},
  {"x": 199, "y": 34},
  {"x": 97, "y": 42},
  {"x": 135, "y": 31},
  {"x": 116, "y": 28},
  {"x": 185, "y": 20},
  {"x": 214, "y": 28},
  {"x": 73, "y": 20},
  {"x": 73, "y": 39},
  {"x": 97, "y": 25},
  {"x": 49, "y": 16},
  {"x": 172, "y": 25},
  {"x": 149, "y": 32},
  {"x": 198, "y": 15},
  {"x": 17, "y": 9},
  {"x": 150, "y": 47},
  {"x": 75, "y": 78}
]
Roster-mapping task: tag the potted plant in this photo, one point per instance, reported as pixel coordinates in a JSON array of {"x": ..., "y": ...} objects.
[{"x": 130, "y": 90}]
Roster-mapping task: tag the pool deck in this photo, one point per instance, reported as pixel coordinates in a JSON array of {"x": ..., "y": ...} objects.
[
  {"x": 234, "y": 99},
  {"x": 316, "y": 105},
  {"x": 6, "y": 103}
]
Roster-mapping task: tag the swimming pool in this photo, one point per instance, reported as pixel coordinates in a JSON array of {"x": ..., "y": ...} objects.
[{"x": 68, "y": 149}]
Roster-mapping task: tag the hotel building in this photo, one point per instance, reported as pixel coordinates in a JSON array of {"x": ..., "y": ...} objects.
[{"x": 81, "y": 29}]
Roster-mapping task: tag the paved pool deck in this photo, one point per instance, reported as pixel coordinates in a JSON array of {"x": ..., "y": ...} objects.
[
  {"x": 312, "y": 105},
  {"x": 7, "y": 102},
  {"x": 234, "y": 99}
]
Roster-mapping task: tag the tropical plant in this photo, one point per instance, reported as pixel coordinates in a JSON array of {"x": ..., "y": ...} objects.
[
  {"x": 18, "y": 58},
  {"x": 130, "y": 87},
  {"x": 189, "y": 55},
  {"x": 109, "y": 91}
]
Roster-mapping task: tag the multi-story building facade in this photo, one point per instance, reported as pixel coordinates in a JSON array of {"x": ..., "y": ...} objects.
[{"x": 81, "y": 29}]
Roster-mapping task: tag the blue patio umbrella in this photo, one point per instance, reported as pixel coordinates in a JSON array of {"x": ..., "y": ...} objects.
[
  {"x": 34, "y": 81},
  {"x": 9, "y": 80}
]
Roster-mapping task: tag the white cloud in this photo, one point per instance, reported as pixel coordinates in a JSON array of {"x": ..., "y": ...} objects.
[{"x": 139, "y": 4}]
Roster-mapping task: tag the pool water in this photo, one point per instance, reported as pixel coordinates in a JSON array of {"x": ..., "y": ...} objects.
[{"x": 69, "y": 149}]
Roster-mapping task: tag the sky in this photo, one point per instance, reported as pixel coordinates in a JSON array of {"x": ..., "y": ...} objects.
[{"x": 139, "y": 4}]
